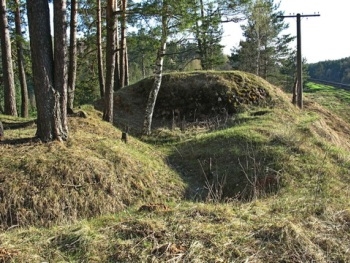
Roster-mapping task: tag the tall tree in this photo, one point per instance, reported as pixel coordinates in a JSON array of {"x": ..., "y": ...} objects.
[
  {"x": 9, "y": 83},
  {"x": 118, "y": 82},
  {"x": 142, "y": 46},
  {"x": 50, "y": 95},
  {"x": 72, "y": 67},
  {"x": 20, "y": 61},
  {"x": 101, "y": 77},
  {"x": 264, "y": 47},
  {"x": 60, "y": 66},
  {"x": 158, "y": 73},
  {"x": 123, "y": 55},
  {"x": 209, "y": 16},
  {"x": 208, "y": 34},
  {"x": 110, "y": 60},
  {"x": 172, "y": 17}
]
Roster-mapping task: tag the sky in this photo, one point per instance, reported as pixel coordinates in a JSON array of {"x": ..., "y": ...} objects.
[{"x": 323, "y": 38}]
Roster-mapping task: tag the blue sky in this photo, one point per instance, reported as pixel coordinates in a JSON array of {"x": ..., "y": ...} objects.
[{"x": 323, "y": 38}]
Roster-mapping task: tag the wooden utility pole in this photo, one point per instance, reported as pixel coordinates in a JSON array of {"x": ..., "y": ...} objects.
[{"x": 299, "y": 83}]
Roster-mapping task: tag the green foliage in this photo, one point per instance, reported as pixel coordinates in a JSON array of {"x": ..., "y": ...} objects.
[
  {"x": 331, "y": 70},
  {"x": 142, "y": 48},
  {"x": 265, "y": 48},
  {"x": 86, "y": 90},
  {"x": 208, "y": 32},
  {"x": 179, "y": 55}
]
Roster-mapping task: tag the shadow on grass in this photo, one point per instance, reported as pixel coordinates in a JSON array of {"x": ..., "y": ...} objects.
[
  {"x": 20, "y": 141},
  {"x": 228, "y": 167}
]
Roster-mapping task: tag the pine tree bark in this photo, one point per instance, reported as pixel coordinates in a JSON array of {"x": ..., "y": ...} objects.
[
  {"x": 110, "y": 60},
  {"x": 7, "y": 67},
  {"x": 101, "y": 78},
  {"x": 72, "y": 67},
  {"x": 60, "y": 66},
  {"x": 158, "y": 74},
  {"x": 49, "y": 95},
  {"x": 20, "y": 61},
  {"x": 123, "y": 55},
  {"x": 126, "y": 66}
]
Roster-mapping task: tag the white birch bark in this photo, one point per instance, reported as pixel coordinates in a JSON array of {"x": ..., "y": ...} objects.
[{"x": 158, "y": 74}]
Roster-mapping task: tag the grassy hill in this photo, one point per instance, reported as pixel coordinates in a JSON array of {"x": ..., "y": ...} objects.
[{"x": 232, "y": 173}]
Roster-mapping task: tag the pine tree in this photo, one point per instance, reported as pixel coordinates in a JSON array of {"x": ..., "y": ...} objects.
[
  {"x": 49, "y": 75},
  {"x": 72, "y": 66},
  {"x": 20, "y": 61},
  {"x": 101, "y": 78},
  {"x": 8, "y": 76},
  {"x": 264, "y": 48},
  {"x": 208, "y": 34},
  {"x": 110, "y": 60}
]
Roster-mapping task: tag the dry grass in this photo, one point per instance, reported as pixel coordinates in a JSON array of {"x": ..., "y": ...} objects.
[
  {"x": 114, "y": 202},
  {"x": 93, "y": 173},
  {"x": 190, "y": 232}
]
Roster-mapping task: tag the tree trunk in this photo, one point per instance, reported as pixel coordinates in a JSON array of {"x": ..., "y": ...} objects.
[
  {"x": 158, "y": 74},
  {"x": 48, "y": 99},
  {"x": 295, "y": 91},
  {"x": 203, "y": 35},
  {"x": 110, "y": 60},
  {"x": 143, "y": 66},
  {"x": 258, "y": 50},
  {"x": 72, "y": 67},
  {"x": 126, "y": 65},
  {"x": 101, "y": 78},
  {"x": 7, "y": 67},
  {"x": 60, "y": 66},
  {"x": 117, "y": 83},
  {"x": 122, "y": 57},
  {"x": 20, "y": 61}
]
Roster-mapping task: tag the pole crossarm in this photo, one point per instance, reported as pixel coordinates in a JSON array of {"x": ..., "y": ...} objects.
[
  {"x": 301, "y": 15},
  {"x": 299, "y": 88}
]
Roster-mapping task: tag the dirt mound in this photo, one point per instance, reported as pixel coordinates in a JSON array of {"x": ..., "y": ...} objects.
[
  {"x": 93, "y": 173},
  {"x": 191, "y": 97}
]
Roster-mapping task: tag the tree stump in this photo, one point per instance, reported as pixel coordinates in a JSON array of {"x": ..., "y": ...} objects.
[
  {"x": 125, "y": 137},
  {"x": 125, "y": 134}
]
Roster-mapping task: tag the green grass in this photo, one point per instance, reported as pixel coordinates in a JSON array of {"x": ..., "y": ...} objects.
[
  {"x": 269, "y": 184},
  {"x": 335, "y": 99}
]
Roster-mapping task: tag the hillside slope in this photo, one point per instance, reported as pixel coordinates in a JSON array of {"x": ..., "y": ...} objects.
[
  {"x": 93, "y": 173},
  {"x": 267, "y": 183}
]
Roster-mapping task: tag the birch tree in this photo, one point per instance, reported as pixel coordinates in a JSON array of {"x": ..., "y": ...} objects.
[
  {"x": 172, "y": 17},
  {"x": 158, "y": 73}
]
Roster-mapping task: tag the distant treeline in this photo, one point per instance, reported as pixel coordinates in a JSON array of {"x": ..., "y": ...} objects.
[{"x": 331, "y": 70}]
